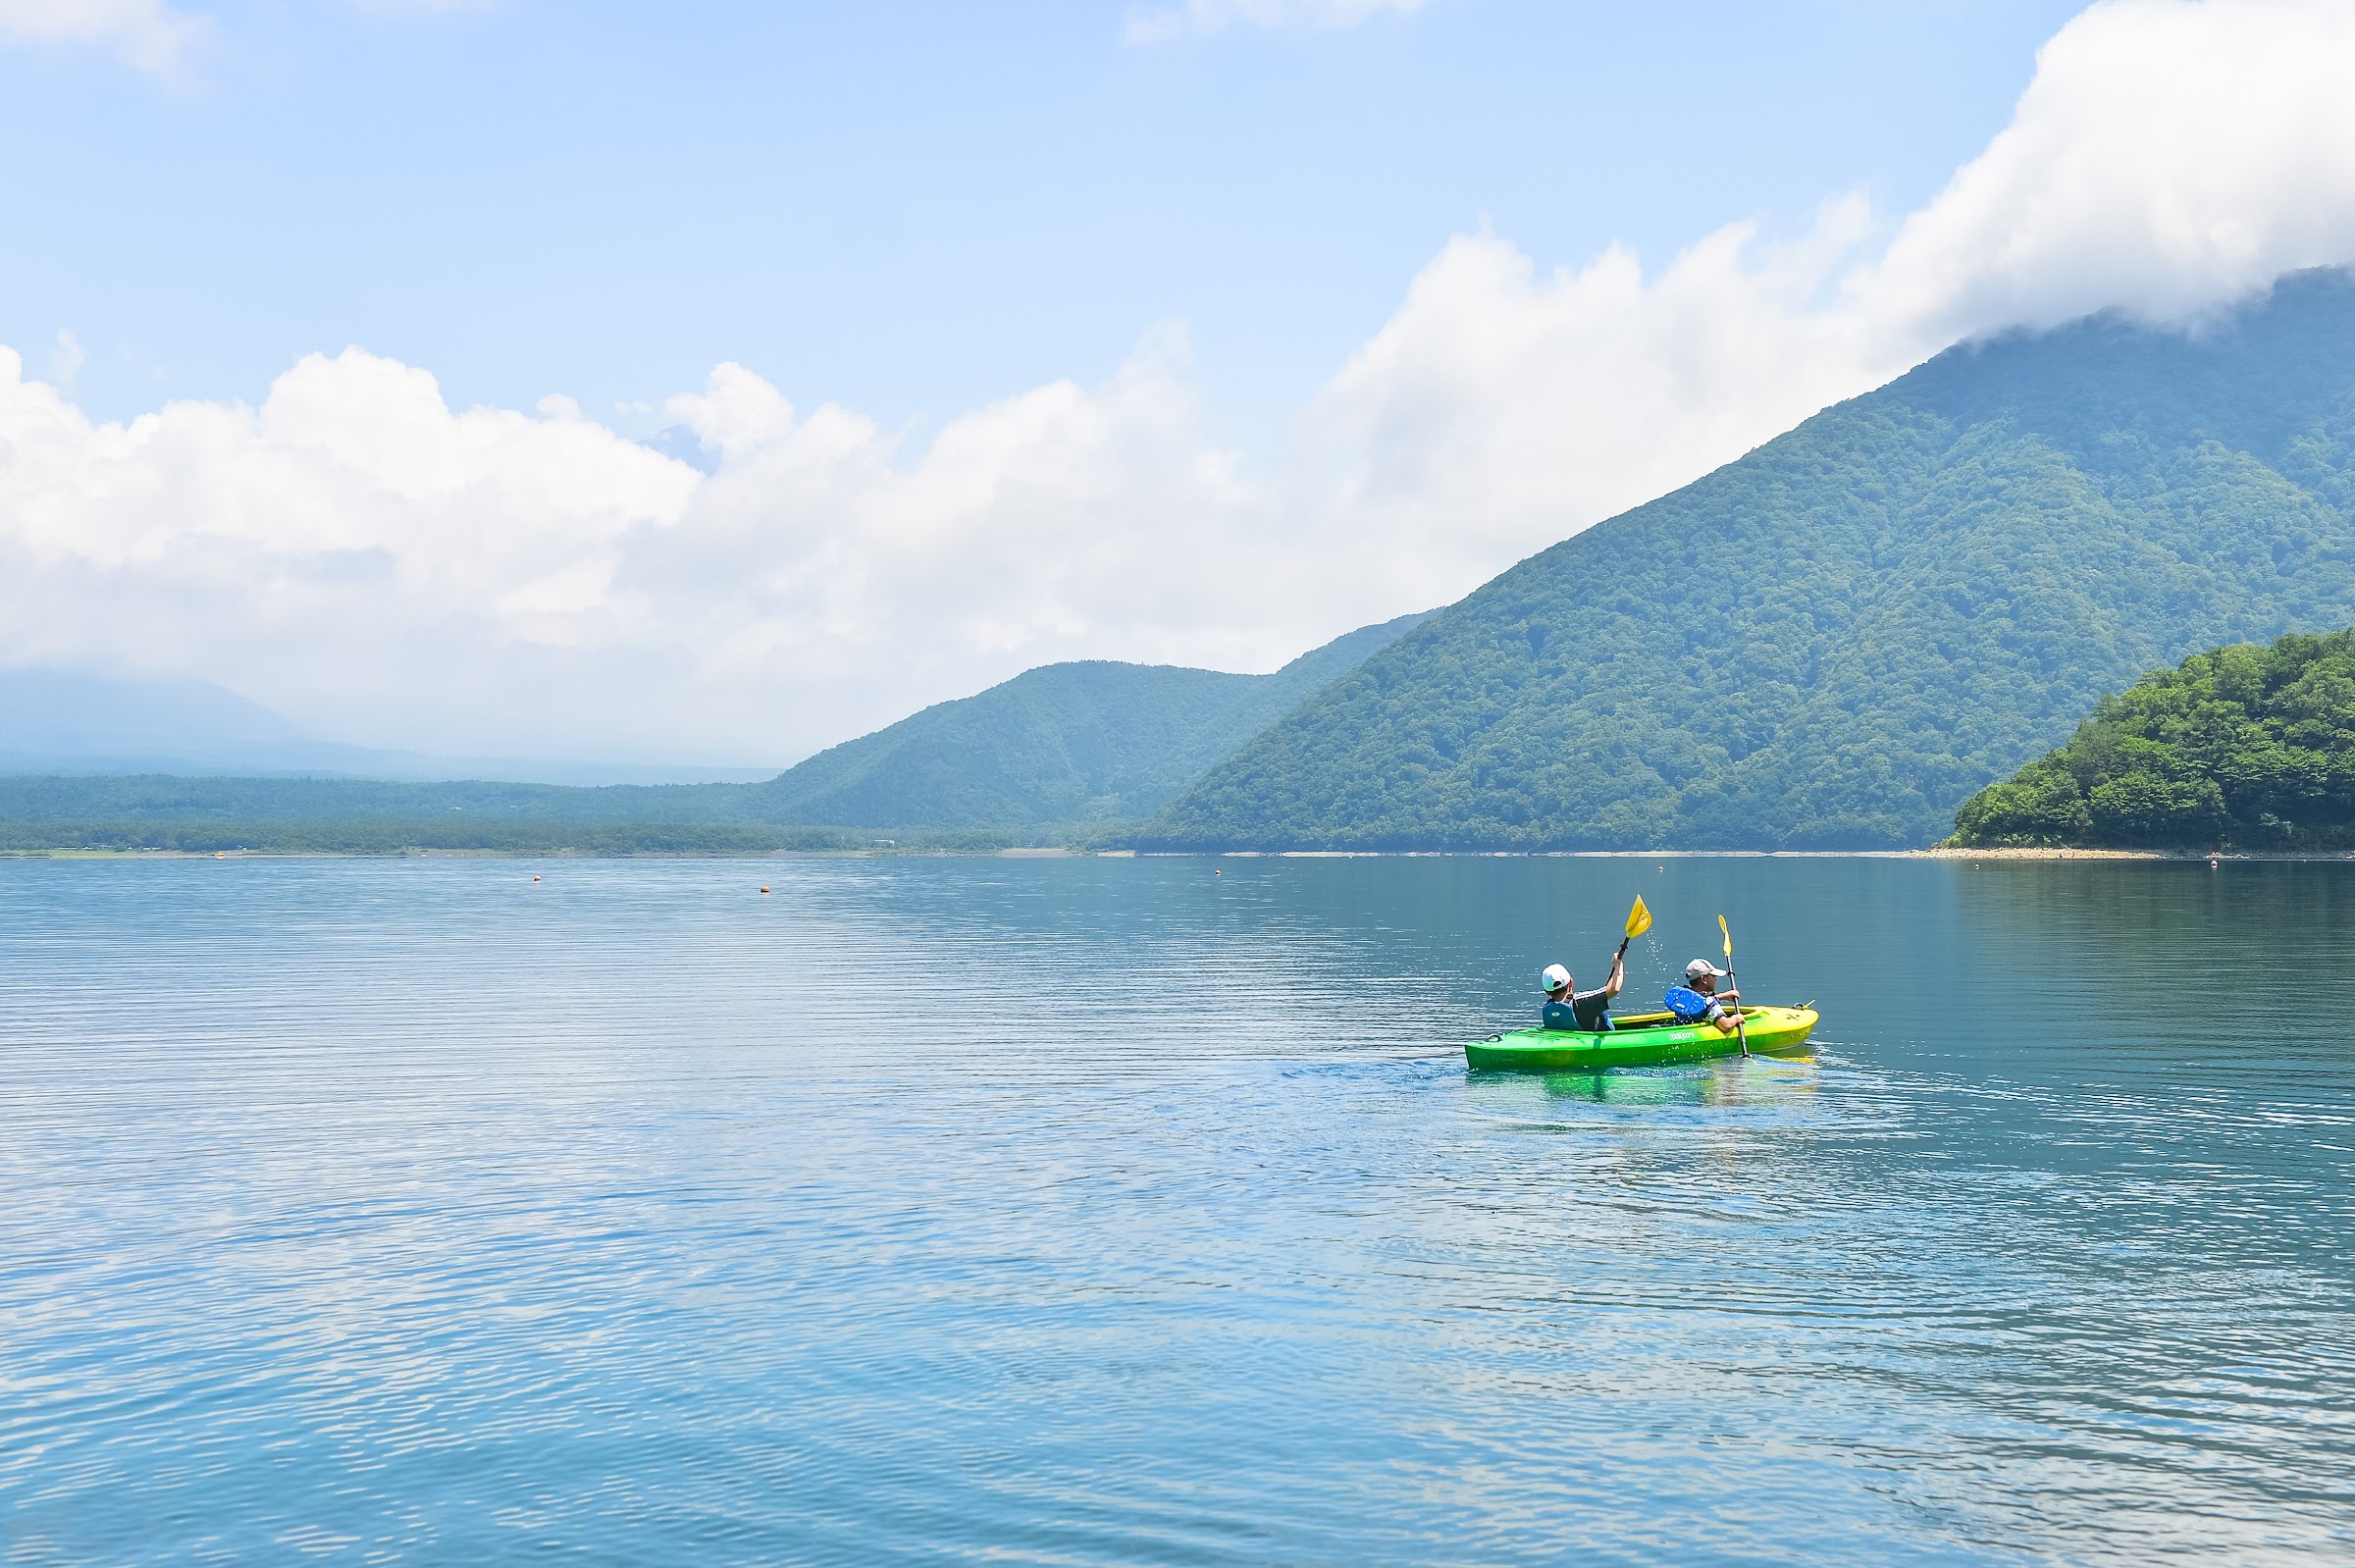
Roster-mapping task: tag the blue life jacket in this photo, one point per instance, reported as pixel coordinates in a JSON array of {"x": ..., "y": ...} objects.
[
  {"x": 1688, "y": 1005},
  {"x": 1564, "y": 1015}
]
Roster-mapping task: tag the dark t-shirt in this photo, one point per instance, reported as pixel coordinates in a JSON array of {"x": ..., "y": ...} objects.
[{"x": 1590, "y": 1011}]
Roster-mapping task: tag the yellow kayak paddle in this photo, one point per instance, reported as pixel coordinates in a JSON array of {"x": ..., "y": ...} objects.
[
  {"x": 1741, "y": 1035},
  {"x": 1639, "y": 921}
]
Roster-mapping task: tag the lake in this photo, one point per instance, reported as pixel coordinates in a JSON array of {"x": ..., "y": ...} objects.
[{"x": 1143, "y": 1211}]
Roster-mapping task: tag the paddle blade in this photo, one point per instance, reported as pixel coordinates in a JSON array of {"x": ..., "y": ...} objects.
[
  {"x": 1639, "y": 919},
  {"x": 1729, "y": 938}
]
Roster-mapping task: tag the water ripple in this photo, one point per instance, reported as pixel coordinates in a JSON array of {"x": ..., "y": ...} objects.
[{"x": 1107, "y": 1212}]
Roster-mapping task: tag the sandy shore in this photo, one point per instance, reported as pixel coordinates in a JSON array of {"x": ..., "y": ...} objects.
[
  {"x": 1940, "y": 853},
  {"x": 1943, "y": 852}
]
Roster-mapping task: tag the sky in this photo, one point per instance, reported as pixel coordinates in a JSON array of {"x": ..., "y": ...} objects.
[{"x": 712, "y": 383}]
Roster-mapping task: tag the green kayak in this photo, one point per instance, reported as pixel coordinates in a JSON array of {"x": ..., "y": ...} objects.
[{"x": 1646, "y": 1038}]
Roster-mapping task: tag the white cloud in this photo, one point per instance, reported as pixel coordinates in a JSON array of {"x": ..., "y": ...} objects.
[
  {"x": 149, "y": 33},
  {"x": 351, "y": 541},
  {"x": 357, "y": 553},
  {"x": 1151, "y": 24},
  {"x": 2167, "y": 155}
]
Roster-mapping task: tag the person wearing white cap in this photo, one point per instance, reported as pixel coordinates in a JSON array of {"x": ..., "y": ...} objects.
[
  {"x": 1568, "y": 1008},
  {"x": 1698, "y": 1000}
]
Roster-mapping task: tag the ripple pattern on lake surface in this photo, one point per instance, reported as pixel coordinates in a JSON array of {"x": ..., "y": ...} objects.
[{"x": 1111, "y": 1212}]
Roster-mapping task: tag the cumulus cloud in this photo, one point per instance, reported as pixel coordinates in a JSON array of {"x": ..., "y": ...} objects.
[
  {"x": 493, "y": 581},
  {"x": 1148, "y": 25},
  {"x": 2167, "y": 155},
  {"x": 392, "y": 571},
  {"x": 149, "y": 33}
]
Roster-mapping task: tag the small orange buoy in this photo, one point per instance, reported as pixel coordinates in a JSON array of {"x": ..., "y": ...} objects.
[{"x": 765, "y": 890}]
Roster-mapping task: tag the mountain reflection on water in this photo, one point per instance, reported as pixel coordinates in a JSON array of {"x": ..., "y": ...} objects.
[{"x": 1107, "y": 1211}]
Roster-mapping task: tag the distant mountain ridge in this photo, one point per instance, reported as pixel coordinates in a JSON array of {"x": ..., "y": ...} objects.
[
  {"x": 1835, "y": 640},
  {"x": 72, "y": 722},
  {"x": 1088, "y": 742},
  {"x": 1059, "y": 747}
]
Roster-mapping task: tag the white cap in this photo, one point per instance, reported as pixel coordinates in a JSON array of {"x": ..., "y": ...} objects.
[
  {"x": 1555, "y": 976},
  {"x": 1700, "y": 967}
]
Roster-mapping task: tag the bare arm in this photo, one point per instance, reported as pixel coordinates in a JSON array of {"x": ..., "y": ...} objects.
[{"x": 1611, "y": 986}]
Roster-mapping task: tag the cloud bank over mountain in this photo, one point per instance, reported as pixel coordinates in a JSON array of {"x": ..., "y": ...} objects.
[
  {"x": 389, "y": 571},
  {"x": 2166, "y": 158}
]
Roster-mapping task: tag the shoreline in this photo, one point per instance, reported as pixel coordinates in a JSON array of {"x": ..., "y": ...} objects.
[
  {"x": 1944, "y": 853},
  {"x": 1936, "y": 852}
]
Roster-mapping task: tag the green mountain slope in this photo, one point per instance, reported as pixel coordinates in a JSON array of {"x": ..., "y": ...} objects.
[
  {"x": 2246, "y": 748},
  {"x": 1834, "y": 640},
  {"x": 1061, "y": 744}
]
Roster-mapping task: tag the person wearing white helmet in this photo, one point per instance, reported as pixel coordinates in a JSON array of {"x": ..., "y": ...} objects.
[
  {"x": 1568, "y": 1008},
  {"x": 1699, "y": 1001}
]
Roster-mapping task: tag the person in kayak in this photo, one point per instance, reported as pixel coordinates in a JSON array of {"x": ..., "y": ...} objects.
[
  {"x": 1699, "y": 1001},
  {"x": 1568, "y": 1008}
]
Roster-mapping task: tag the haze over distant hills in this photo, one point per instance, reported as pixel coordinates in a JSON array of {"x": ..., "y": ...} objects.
[
  {"x": 76, "y": 723},
  {"x": 1054, "y": 748},
  {"x": 1834, "y": 640},
  {"x": 64, "y": 721}
]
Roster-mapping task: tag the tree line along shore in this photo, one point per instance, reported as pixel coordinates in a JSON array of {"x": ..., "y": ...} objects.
[{"x": 2247, "y": 750}]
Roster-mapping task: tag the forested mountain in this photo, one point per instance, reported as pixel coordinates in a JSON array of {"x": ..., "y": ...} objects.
[
  {"x": 1835, "y": 640},
  {"x": 2243, "y": 747},
  {"x": 1090, "y": 742}
]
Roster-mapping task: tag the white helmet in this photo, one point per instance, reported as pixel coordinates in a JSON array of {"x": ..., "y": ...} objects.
[{"x": 1554, "y": 978}]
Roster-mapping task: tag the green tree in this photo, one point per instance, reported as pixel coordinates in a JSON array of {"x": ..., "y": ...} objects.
[{"x": 2249, "y": 746}]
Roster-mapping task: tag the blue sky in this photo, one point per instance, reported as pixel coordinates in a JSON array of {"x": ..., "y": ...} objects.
[
  {"x": 914, "y": 208},
  {"x": 1006, "y": 335}
]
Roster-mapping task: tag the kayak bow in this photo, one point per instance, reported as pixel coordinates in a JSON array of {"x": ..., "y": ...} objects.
[{"x": 1645, "y": 1038}]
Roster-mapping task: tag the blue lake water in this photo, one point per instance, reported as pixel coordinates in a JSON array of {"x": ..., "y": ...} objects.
[{"x": 1104, "y": 1211}]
